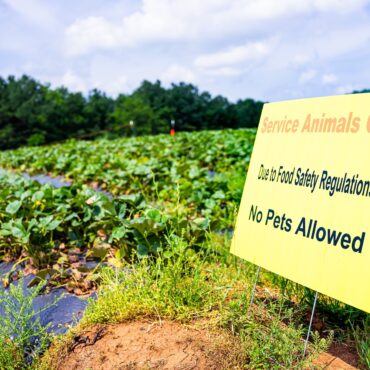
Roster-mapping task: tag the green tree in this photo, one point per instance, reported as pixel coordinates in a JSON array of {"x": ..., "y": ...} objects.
[
  {"x": 98, "y": 110},
  {"x": 361, "y": 91},
  {"x": 32, "y": 113},
  {"x": 155, "y": 95},
  {"x": 248, "y": 113},
  {"x": 20, "y": 110},
  {"x": 187, "y": 106},
  {"x": 63, "y": 114},
  {"x": 219, "y": 113},
  {"x": 133, "y": 108}
]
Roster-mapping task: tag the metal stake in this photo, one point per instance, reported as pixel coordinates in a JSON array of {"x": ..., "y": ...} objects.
[
  {"x": 309, "y": 327},
  {"x": 254, "y": 288}
]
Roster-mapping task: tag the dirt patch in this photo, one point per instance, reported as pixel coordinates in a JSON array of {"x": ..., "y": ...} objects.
[
  {"x": 140, "y": 345},
  {"x": 171, "y": 345},
  {"x": 339, "y": 356}
]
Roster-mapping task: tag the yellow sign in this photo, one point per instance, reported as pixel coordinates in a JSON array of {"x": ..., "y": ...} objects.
[{"x": 305, "y": 210}]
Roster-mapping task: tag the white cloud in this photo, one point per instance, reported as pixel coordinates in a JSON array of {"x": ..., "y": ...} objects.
[
  {"x": 224, "y": 72},
  {"x": 34, "y": 11},
  {"x": 177, "y": 73},
  {"x": 328, "y": 79},
  {"x": 225, "y": 46},
  {"x": 302, "y": 58},
  {"x": 343, "y": 40},
  {"x": 91, "y": 33},
  {"x": 102, "y": 73},
  {"x": 339, "y": 6},
  {"x": 345, "y": 89},
  {"x": 73, "y": 81},
  {"x": 108, "y": 74},
  {"x": 307, "y": 76},
  {"x": 234, "y": 55},
  {"x": 179, "y": 20}
]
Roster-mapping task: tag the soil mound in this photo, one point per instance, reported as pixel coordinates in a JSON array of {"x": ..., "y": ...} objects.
[
  {"x": 170, "y": 345},
  {"x": 339, "y": 356},
  {"x": 140, "y": 345}
]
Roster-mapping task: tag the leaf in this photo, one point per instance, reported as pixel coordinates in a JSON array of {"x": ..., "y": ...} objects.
[
  {"x": 44, "y": 221},
  {"x": 98, "y": 211},
  {"x": 143, "y": 225},
  {"x": 122, "y": 211},
  {"x": 210, "y": 203},
  {"x": 46, "y": 273},
  {"x": 142, "y": 250},
  {"x": 194, "y": 172},
  {"x": 121, "y": 253},
  {"x": 71, "y": 216},
  {"x": 5, "y": 232},
  {"x": 117, "y": 233},
  {"x": 99, "y": 251},
  {"x": 219, "y": 194},
  {"x": 20, "y": 232},
  {"x": 154, "y": 214},
  {"x": 37, "y": 196},
  {"x": 13, "y": 207},
  {"x": 53, "y": 225},
  {"x": 92, "y": 199},
  {"x": 25, "y": 195},
  {"x": 203, "y": 223},
  {"x": 31, "y": 224},
  {"x": 168, "y": 254}
]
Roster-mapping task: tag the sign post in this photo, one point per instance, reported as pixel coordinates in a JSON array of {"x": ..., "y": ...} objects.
[
  {"x": 254, "y": 288},
  {"x": 310, "y": 325}
]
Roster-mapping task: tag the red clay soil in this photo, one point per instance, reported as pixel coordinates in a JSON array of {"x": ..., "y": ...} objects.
[
  {"x": 170, "y": 345},
  {"x": 138, "y": 345},
  {"x": 339, "y": 356}
]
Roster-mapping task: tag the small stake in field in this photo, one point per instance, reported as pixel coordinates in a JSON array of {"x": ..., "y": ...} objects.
[
  {"x": 172, "y": 130},
  {"x": 254, "y": 288},
  {"x": 133, "y": 128},
  {"x": 309, "y": 327}
]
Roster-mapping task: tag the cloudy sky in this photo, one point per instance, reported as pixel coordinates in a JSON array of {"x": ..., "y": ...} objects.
[{"x": 265, "y": 49}]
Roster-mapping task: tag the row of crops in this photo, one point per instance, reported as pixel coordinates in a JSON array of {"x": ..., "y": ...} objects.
[
  {"x": 196, "y": 162},
  {"x": 202, "y": 171},
  {"x": 183, "y": 186}
]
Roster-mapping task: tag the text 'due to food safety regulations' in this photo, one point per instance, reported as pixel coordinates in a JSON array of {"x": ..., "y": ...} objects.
[{"x": 305, "y": 210}]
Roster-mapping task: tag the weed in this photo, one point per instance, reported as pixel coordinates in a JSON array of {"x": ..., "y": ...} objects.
[
  {"x": 22, "y": 337},
  {"x": 174, "y": 285},
  {"x": 362, "y": 340},
  {"x": 183, "y": 285}
]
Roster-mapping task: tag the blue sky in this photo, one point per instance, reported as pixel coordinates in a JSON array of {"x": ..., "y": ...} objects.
[{"x": 265, "y": 49}]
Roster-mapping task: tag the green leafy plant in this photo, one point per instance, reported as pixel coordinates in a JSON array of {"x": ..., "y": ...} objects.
[
  {"x": 362, "y": 339},
  {"x": 207, "y": 168},
  {"x": 22, "y": 337},
  {"x": 37, "y": 219}
]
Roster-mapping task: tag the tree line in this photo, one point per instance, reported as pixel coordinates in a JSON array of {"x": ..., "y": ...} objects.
[{"x": 32, "y": 113}]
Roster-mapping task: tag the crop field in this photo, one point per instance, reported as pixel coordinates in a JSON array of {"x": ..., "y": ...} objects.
[
  {"x": 163, "y": 204},
  {"x": 193, "y": 181},
  {"x": 194, "y": 164}
]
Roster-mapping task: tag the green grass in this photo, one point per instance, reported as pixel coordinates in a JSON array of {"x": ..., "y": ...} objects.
[
  {"x": 22, "y": 337},
  {"x": 362, "y": 339},
  {"x": 175, "y": 285},
  {"x": 208, "y": 288}
]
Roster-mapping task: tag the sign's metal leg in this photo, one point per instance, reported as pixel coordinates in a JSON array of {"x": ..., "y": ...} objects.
[
  {"x": 254, "y": 288},
  {"x": 309, "y": 327}
]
